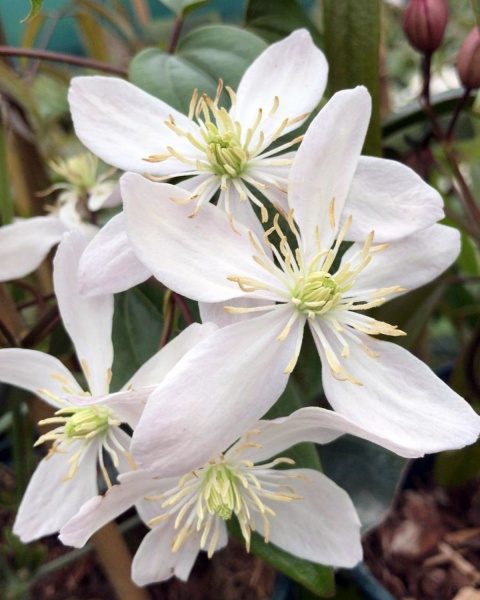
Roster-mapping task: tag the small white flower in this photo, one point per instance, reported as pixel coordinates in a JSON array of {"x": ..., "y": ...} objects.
[
  {"x": 25, "y": 243},
  {"x": 86, "y": 423},
  {"x": 218, "y": 149},
  {"x": 298, "y": 510}
]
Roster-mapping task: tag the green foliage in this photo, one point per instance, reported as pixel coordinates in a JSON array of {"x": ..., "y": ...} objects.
[
  {"x": 35, "y": 7},
  {"x": 457, "y": 467},
  {"x": 203, "y": 57},
  {"x": 137, "y": 328},
  {"x": 352, "y": 45},
  {"x": 476, "y": 11},
  {"x": 183, "y": 7},
  {"x": 275, "y": 19}
]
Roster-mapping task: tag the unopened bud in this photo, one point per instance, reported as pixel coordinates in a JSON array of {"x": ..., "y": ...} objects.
[
  {"x": 424, "y": 23},
  {"x": 468, "y": 60}
]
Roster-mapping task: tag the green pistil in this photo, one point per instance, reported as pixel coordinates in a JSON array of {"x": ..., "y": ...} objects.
[
  {"x": 85, "y": 423},
  {"x": 220, "y": 489},
  {"x": 314, "y": 292},
  {"x": 225, "y": 152}
]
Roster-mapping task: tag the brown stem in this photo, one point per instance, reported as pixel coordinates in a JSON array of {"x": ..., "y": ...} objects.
[
  {"x": 426, "y": 72},
  {"x": 187, "y": 315},
  {"x": 458, "y": 109},
  {"x": 168, "y": 324},
  {"x": 42, "y": 328},
  {"x": 78, "y": 61},
  {"x": 177, "y": 28}
]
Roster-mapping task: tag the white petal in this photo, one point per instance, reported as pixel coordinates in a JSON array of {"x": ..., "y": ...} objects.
[
  {"x": 104, "y": 194},
  {"x": 322, "y": 527},
  {"x": 49, "y": 501},
  {"x": 154, "y": 371},
  {"x": 409, "y": 262},
  {"x": 401, "y": 399},
  {"x": 37, "y": 371},
  {"x": 122, "y": 125},
  {"x": 192, "y": 256},
  {"x": 25, "y": 243},
  {"x": 265, "y": 174},
  {"x": 100, "y": 510},
  {"x": 391, "y": 199},
  {"x": 325, "y": 165},
  {"x": 214, "y": 394},
  {"x": 155, "y": 561},
  {"x": 294, "y": 70},
  {"x": 241, "y": 211},
  {"x": 215, "y": 311},
  {"x": 109, "y": 264},
  {"x": 310, "y": 424},
  {"x": 88, "y": 321}
]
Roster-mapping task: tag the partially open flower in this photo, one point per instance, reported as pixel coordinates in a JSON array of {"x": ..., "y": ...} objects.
[
  {"x": 468, "y": 61},
  {"x": 424, "y": 23}
]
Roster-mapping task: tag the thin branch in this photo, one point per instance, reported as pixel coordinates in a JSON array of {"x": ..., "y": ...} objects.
[
  {"x": 169, "y": 317},
  {"x": 458, "y": 109},
  {"x": 42, "y": 328},
  {"x": 187, "y": 315},
  {"x": 77, "y": 61},
  {"x": 177, "y": 28}
]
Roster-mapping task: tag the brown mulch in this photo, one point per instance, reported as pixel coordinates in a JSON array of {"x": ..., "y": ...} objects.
[{"x": 429, "y": 546}]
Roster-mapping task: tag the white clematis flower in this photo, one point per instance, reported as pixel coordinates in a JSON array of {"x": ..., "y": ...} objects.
[
  {"x": 378, "y": 385},
  {"x": 298, "y": 510},
  {"x": 25, "y": 243},
  {"x": 215, "y": 148},
  {"x": 86, "y": 424},
  {"x": 218, "y": 149}
]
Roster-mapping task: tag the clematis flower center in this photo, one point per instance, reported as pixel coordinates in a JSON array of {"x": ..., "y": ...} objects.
[
  {"x": 225, "y": 487},
  {"x": 82, "y": 426},
  {"x": 230, "y": 154},
  {"x": 317, "y": 292}
]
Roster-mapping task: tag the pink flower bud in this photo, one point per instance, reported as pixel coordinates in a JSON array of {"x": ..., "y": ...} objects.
[
  {"x": 424, "y": 23},
  {"x": 468, "y": 60}
]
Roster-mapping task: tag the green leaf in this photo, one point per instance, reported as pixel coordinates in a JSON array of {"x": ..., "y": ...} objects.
[
  {"x": 457, "y": 467},
  {"x": 476, "y": 11},
  {"x": 203, "y": 57},
  {"x": 274, "y": 19},
  {"x": 35, "y": 5},
  {"x": 352, "y": 43},
  {"x": 367, "y": 472},
  {"x": 137, "y": 328},
  {"x": 183, "y": 7},
  {"x": 317, "y": 578},
  {"x": 6, "y": 199}
]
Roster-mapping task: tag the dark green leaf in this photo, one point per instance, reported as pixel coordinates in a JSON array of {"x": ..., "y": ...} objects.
[
  {"x": 369, "y": 473},
  {"x": 352, "y": 43},
  {"x": 137, "y": 328},
  {"x": 35, "y": 6},
  {"x": 274, "y": 19},
  {"x": 203, "y": 57},
  {"x": 457, "y": 467}
]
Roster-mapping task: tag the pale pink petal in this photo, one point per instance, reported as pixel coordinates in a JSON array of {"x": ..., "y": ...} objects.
[
  {"x": 294, "y": 70},
  {"x": 104, "y": 194},
  {"x": 214, "y": 394},
  {"x": 154, "y": 371},
  {"x": 100, "y": 510},
  {"x": 155, "y": 561},
  {"x": 50, "y": 500},
  {"x": 88, "y": 321},
  {"x": 400, "y": 399},
  {"x": 192, "y": 256},
  {"x": 26, "y": 243},
  {"x": 123, "y": 125},
  {"x": 310, "y": 424},
  {"x": 409, "y": 262},
  {"x": 109, "y": 264},
  {"x": 325, "y": 164},
  {"x": 322, "y": 527},
  {"x": 39, "y": 373},
  {"x": 391, "y": 199}
]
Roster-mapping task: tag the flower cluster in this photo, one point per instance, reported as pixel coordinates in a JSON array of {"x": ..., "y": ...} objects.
[{"x": 303, "y": 232}]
